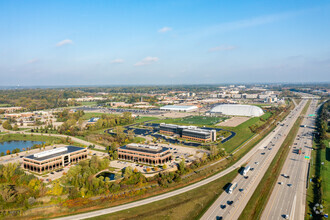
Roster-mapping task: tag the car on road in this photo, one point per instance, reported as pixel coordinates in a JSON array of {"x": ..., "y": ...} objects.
[
  {"x": 223, "y": 206},
  {"x": 252, "y": 169},
  {"x": 257, "y": 162},
  {"x": 289, "y": 185},
  {"x": 246, "y": 177},
  {"x": 241, "y": 190},
  {"x": 51, "y": 172},
  {"x": 263, "y": 153},
  {"x": 286, "y": 216},
  {"x": 281, "y": 183},
  {"x": 230, "y": 202}
]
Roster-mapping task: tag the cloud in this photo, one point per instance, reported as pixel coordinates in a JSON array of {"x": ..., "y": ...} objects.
[
  {"x": 147, "y": 61},
  {"x": 164, "y": 29},
  {"x": 222, "y": 48},
  {"x": 33, "y": 61},
  {"x": 117, "y": 61},
  {"x": 64, "y": 42}
]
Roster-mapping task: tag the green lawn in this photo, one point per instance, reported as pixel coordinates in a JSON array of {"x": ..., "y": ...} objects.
[
  {"x": 5, "y": 105},
  {"x": 88, "y": 103},
  {"x": 89, "y": 115},
  {"x": 325, "y": 174},
  {"x": 144, "y": 118},
  {"x": 193, "y": 120},
  {"x": 189, "y": 205}
]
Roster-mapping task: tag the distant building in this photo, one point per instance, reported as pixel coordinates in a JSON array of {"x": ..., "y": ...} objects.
[
  {"x": 188, "y": 132},
  {"x": 238, "y": 110},
  {"x": 93, "y": 120},
  {"x": 19, "y": 115},
  {"x": 145, "y": 153},
  {"x": 179, "y": 108},
  {"x": 54, "y": 159}
]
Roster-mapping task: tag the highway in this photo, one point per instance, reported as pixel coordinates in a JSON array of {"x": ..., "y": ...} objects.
[
  {"x": 255, "y": 150},
  {"x": 230, "y": 206},
  {"x": 289, "y": 194}
]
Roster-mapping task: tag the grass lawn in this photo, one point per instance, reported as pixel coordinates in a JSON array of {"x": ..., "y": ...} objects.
[
  {"x": 88, "y": 103},
  {"x": 5, "y": 105},
  {"x": 144, "y": 118},
  {"x": 189, "y": 205},
  {"x": 193, "y": 120},
  {"x": 89, "y": 115}
]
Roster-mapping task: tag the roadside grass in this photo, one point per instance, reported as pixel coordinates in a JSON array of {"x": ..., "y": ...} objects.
[
  {"x": 259, "y": 199},
  {"x": 325, "y": 174},
  {"x": 318, "y": 156},
  {"x": 188, "y": 205}
]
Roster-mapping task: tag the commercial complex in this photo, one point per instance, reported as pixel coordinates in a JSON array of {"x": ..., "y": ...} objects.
[
  {"x": 238, "y": 110},
  {"x": 145, "y": 153},
  {"x": 179, "y": 108},
  {"x": 188, "y": 132},
  {"x": 54, "y": 159}
]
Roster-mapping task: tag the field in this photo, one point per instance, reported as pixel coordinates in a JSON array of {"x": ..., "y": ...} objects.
[
  {"x": 88, "y": 103},
  {"x": 89, "y": 115},
  {"x": 193, "y": 120},
  {"x": 189, "y": 205},
  {"x": 5, "y": 105}
]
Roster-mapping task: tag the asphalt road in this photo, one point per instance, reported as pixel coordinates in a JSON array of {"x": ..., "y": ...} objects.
[
  {"x": 243, "y": 160},
  {"x": 289, "y": 195},
  {"x": 230, "y": 206}
]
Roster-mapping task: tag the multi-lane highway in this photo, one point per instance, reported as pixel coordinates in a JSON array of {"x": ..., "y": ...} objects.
[
  {"x": 246, "y": 158},
  {"x": 230, "y": 206},
  {"x": 288, "y": 198}
]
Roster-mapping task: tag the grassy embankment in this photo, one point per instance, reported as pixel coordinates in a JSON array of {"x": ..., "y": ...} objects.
[
  {"x": 318, "y": 157},
  {"x": 188, "y": 205},
  {"x": 259, "y": 199}
]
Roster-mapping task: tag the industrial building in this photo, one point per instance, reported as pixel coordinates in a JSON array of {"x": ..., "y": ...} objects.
[
  {"x": 237, "y": 110},
  {"x": 145, "y": 153},
  {"x": 54, "y": 159},
  {"x": 188, "y": 132},
  {"x": 179, "y": 108}
]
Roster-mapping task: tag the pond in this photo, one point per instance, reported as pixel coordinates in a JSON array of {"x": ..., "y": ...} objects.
[
  {"x": 105, "y": 174},
  {"x": 11, "y": 145}
]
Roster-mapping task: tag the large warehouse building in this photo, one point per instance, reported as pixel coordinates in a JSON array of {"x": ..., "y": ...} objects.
[
  {"x": 54, "y": 159},
  {"x": 179, "y": 108},
  {"x": 237, "y": 110},
  {"x": 188, "y": 132},
  {"x": 145, "y": 153}
]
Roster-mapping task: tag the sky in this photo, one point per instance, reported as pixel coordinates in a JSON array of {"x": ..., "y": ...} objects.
[{"x": 139, "y": 42}]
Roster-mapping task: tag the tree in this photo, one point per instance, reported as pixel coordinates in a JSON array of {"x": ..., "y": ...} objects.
[
  {"x": 8, "y": 152},
  {"x": 164, "y": 166},
  {"x": 7, "y": 125},
  {"x": 148, "y": 169},
  {"x": 15, "y": 128},
  {"x": 181, "y": 166}
]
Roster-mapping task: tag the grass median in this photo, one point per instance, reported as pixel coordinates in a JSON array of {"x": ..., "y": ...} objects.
[{"x": 260, "y": 197}]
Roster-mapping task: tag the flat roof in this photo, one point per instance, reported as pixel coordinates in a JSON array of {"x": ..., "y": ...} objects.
[
  {"x": 179, "y": 107},
  {"x": 144, "y": 148},
  {"x": 45, "y": 155}
]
